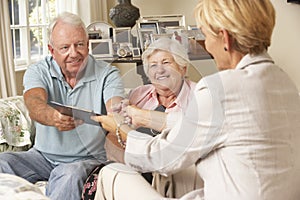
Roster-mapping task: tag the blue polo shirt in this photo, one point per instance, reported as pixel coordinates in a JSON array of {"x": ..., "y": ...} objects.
[{"x": 99, "y": 83}]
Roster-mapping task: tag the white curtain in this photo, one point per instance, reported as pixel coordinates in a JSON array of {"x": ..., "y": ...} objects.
[
  {"x": 89, "y": 10},
  {"x": 7, "y": 68}
]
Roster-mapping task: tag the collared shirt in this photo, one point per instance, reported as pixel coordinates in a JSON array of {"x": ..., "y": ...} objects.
[
  {"x": 146, "y": 97},
  {"x": 99, "y": 83},
  {"x": 242, "y": 131}
]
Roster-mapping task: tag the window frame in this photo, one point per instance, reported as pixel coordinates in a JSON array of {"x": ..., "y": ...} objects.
[{"x": 25, "y": 57}]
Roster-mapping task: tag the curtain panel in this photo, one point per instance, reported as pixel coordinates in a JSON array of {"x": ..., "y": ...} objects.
[
  {"x": 90, "y": 11},
  {"x": 7, "y": 68}
]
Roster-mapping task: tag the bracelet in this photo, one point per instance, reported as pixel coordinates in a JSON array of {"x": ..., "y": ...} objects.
[{"x": 122, "y": 143}]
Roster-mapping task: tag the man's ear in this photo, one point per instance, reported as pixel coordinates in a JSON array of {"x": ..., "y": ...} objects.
[{"x": 50, "y": 48}]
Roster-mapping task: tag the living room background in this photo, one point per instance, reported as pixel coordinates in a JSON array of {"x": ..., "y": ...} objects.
[{"x": 285, "y": 46}]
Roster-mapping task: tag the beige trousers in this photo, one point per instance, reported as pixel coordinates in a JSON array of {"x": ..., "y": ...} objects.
[
  {"x": 178, "y": 184},
  {"x": 117, "y": 181}
]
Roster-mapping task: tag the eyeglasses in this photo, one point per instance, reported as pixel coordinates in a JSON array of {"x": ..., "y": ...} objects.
[{"x": 66, "y": 48}]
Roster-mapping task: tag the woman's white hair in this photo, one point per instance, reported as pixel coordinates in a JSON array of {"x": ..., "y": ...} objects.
[{"x": 172, "y": 46}]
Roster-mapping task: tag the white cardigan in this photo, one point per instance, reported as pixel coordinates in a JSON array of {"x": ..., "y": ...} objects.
[{"x": 242, "y": 130}]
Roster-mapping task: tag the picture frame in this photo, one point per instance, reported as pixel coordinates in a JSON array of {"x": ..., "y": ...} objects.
[
  {"x": 157, "y": 36},
  {"x": 194, "y": 33},
  {"x": 192, "y": 27},
  {"x": 145, "y": 37},
  {"x": 136, "y": 52},
  {"x": 172, "y": 29},
  {"x": 164, "y": 21},
  {"x": 149, "y": 25},
  {"x": 294, "y": 1},
  {"x": 176, "y": 32},
  {"x": 124, "y": 50},
  {"x": 122, "y": 35},
  {"x": 101, "y": 48},
  {"x": 97, "y": 34},
  {"x": 105, "y": 29}
]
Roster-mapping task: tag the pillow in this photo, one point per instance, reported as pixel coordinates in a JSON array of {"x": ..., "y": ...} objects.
[
  {"x": 16, "y": 127},
  {"x": 14, "y": 187}
]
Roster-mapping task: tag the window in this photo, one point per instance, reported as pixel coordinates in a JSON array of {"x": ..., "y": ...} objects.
[{"x": 29, "y": 25}]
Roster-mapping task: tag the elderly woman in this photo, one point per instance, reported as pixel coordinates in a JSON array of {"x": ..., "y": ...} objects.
[
  {"x": 165, "y": 63},
  {"x": 241, "y": 128}
]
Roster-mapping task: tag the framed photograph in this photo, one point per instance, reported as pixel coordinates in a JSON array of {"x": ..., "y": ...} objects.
[
  {"x": 157, "y": 36},
  {"x": 101, "y": 48},
  {"x": 97, "y": 34},
  {"x": 124, "y": 50},
  {"x": 136, "y": 52},
  {"x": 173, "y": 29},
  {"x": 122, "y": 35},
  {"x": 164, "y": 21},
  {"x": 103, "y": 27},
  {"x": 145, "y": 37},
  {"x": 149, "y": 25},
  {"x": 294, "y": 1},
  {"x": 192, "y": 27},
  {"x": 176, "y": 32}
]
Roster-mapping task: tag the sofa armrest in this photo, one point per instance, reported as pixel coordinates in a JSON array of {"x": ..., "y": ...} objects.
[{"x": 17, "y": 130}]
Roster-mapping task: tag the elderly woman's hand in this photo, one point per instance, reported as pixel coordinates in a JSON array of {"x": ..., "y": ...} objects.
[
  {"x": 145, "y": 118},
  {"x": 136, "y": 117},
  {"x": 120, "y": 107}
]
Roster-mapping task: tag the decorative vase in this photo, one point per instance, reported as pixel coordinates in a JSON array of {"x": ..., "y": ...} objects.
[{"x": 124, "y": 14}]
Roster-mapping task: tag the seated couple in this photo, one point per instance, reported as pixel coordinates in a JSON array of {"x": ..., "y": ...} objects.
[
  {"x": 165, "y": 63},
  {"x": 66, "y": 150}
]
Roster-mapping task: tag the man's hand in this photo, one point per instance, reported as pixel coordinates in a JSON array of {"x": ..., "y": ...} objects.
[
  {"x": 36, "y": 102},
  {"x": 64, "y": 122}
]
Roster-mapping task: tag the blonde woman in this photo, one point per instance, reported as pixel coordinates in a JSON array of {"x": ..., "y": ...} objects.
[{"x": 241, "y": 129}]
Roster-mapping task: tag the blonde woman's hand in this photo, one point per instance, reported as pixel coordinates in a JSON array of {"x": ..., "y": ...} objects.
[{"x": 109, "y": 122}]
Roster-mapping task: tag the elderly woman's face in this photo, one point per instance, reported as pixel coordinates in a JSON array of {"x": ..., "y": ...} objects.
[{"x": 164, "y": 72}]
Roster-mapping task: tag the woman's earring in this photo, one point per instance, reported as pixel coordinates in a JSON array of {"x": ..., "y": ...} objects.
[{"x": 225, "y": 49}]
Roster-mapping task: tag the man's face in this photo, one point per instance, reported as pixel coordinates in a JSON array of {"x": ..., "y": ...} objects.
[{"x": 69, "y": 48}]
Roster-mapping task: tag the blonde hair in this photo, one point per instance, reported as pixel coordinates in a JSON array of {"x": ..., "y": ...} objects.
[
  {"x": 250, "y": 23},
  {"x": 171, "y": 46}
]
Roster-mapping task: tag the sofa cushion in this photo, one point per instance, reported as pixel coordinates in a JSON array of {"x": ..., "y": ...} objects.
[
  {"x": 14, "y": 187},
  {"x": 16, "y": 128}
]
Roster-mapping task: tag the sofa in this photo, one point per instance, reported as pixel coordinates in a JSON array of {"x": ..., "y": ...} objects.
[{"x": 17, "y": 132}]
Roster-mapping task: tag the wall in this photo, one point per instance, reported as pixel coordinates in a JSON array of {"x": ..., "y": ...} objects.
[{"x": 285, "y": 48}]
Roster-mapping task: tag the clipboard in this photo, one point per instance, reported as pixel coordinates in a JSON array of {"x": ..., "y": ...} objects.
[{"x": 75, "y": 112}]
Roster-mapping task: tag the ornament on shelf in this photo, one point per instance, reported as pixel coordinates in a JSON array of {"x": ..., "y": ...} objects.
[{"x": 124, "y": 14}]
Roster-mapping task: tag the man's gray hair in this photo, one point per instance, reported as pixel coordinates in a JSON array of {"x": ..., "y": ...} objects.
[{"x": 68, "y": 18}]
